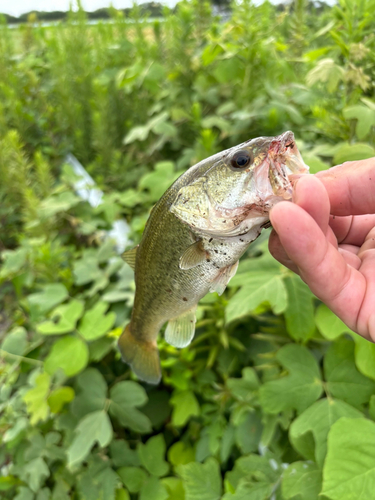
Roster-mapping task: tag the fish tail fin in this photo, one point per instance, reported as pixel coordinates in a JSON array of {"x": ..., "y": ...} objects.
[{"x": 142, "y": 356}]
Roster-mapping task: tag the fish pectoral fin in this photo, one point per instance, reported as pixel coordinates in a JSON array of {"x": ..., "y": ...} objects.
[
  {"x": 180, "y": 330},
  {"x": 194, "y": 255},
  {"x": 129, "y": 256},
  {"x": 219, "y": 284}
]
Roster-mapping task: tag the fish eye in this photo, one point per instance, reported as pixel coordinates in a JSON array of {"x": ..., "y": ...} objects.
[{"x": 241, "y": 160}]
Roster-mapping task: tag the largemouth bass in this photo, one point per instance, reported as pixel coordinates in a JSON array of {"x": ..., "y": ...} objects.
[{"x": 194, "y": 237}]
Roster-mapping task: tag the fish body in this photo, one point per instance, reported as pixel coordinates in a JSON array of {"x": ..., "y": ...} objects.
[{"x": 194, "y": 237}]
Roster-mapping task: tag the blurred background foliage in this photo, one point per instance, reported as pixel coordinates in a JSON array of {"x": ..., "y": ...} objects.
[{"x": 273, "y": 379}]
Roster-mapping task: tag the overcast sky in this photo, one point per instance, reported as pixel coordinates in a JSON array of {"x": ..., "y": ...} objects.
[{"x": 17, "y": 7}]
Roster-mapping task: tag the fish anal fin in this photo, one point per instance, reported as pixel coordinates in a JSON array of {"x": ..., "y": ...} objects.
[
  {"x": 194, "y": 255},
  {"x": 180, "y": 330},
  {"x": 142, "y": 356},
  {"x": 129, "y": 256},
  {"x": 219, "y": 284}
]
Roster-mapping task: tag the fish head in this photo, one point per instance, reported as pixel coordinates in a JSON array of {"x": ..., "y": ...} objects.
[{"x": 234, "y": 191}]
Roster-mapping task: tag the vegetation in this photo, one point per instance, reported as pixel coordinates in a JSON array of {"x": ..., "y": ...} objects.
[{"x": 265, "y": 402}]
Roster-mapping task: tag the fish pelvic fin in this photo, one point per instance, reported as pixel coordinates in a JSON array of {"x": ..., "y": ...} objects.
[
  {"x": 142, "y": 356},
  {"x": 180, "y": 330},
  {"x": 130, "y": 256}
]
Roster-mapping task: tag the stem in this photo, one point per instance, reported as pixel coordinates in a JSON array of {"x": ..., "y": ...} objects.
[{"x": 16, "y": 357}]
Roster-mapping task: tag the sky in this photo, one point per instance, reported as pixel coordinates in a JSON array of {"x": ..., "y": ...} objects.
[{"x": 17, "y": 7}]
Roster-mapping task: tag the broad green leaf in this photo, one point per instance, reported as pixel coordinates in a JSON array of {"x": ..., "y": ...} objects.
[
  {"x": 326, "y": 71},
  {"x": 92, "y": 393},
  {"x": 86, "y": 270},
  {"x": 299, "y": 389},
  {"x": 365, "y": 357},
  {"x": 15, "y": 342},
  {"x": 299, "y": 315},
  {"x": 249, "y": 432},
  {"x": 153, "y": 489},
  {"x": 185, "y": 406},
  {"x": 201, "y": 481},
  {"x": 352, "y": 152},
  {"x": 260, "y": 287},
  {"x": 302, "y": 481},
  {"x": 180, "y": 454},
  {"x": 36, "y": 399},
  {"x": 308, "y": 433},
  {"x": 152, "y": 455},
  {"x": 243, "y": 388},
  {"x": 24, "y": 494},
  {"x": 122, "y": 494},
  {"x": 97, "y": 482},
  {"x": 133, "y": 478},
  {"x": 56, "y": 203},
  {"x": 64, "y": 319},
  {"x": 329, "y": 325},
  {"x": 93, "y": 428},
  {"x": 253, "y": 468},
  {"x": 13, "y": 261},
  {"x": 69, "y": 354},
  {"x": 20, "y": 425},
  {"x": 57, "y": 399},
  {"x": 49, "y": 297},
  {"x": 158, "y": 181},
  {"x": 95, "y": 323},
  {"x": 122, "y": 455},
  {"x": 175, "y": 488},
  {"x": 139, "y": 133},
  {"x": 343, "y": 379},
  {"x": 349, "y": 469},
  {"x": 365, "y": 119},
  {"x": 35, "y": 472},
  {"x": 251, "y": 491},
  {"x": 124, "y": 396}
]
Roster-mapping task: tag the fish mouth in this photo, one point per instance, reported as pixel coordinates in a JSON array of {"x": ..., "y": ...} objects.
[{"x": 285, "y": 165}]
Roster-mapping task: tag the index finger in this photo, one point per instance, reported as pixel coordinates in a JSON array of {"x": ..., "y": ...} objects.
[{"x": 351, "y": 187}]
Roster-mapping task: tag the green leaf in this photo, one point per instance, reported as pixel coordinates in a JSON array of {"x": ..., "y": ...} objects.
[
  {"x": 57, "y": 399},
  {"x": 139, "y": 133},
  {"x": 353, "y": 152},
  {"x": 14, "y": 260},
  {"x": 253, "y": 468},
  {"x": 36, "y": 399},
  {"x": 365, "y": 119},
  {"x": 86, "y": 270},
  {"x": 299, "y": 389},
  {"x": 64, "y": 319},
  {"x": 308, "y": 433},
  {"x": 299, "y": 315},
  {"x": 349, "y": 469},
  {"x": 185, "y": 406},
  {"x": 20, "y": 425},
  {"x": 251, "y": 491},
  {"x": 302, "y": 481},
  {"x": 24, "y": 494},
  {"x": 133, "y": 478},
  {"x": 93, "y": 428},
  {"x": 260, "y": 287},
  {"x": 92, "y": 393},
  {"x": 243, "y": 388},
  {"x": 122, "y": 455},
  {"x": 56, "y": 203},
  {"x": 158, "y": 181},
  {"x": 180, "y": 454},
  {"x": 70, "y": 354},
  {"x": 329, "y": 325},
  {"x": 35, "y": 472},
  {"x": 249, "y": 432},
  {"x": 365, "y": 356},
  {"x": 343, "y": 379},
  {"x": 152, "y": 456},
  {"x": 201, "y": 481},
  {"x": 49, "y": 297},
  {"x": 124, "y": 397},
  {"x": 95, "y": 323},
  {"x": 15, "y": 342},
  {"x": 153, "y": 489}
]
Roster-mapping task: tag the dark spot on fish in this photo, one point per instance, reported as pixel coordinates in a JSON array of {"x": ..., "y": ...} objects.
[
  {"x": 208, "y": 260},
  {"x": 221, "y": 244},
  {"x": 169, "y": 290},
  {"x": 224, "y": 253},
  {"x": 202, "y": 274},
  {"x": 215, "y": 251},
  {"x": 184, "y": 299},
  {"x": 241, "y": 240},
  {"x": 209, "y": 241},
  {"x": 224, "y": 221}
]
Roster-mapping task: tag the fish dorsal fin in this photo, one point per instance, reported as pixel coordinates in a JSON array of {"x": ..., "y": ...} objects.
[
  {"x": 180, "y": 330},
  {"x": 129, "y": 256},
  {"x": 193, "y": 256},
  {"x": 222, "y": 279}
]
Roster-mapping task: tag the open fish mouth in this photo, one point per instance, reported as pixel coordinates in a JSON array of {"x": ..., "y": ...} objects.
[{"x": 285, "y": 164}]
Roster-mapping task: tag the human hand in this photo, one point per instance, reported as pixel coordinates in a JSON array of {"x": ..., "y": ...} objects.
[{"x": 327, "y": 236}]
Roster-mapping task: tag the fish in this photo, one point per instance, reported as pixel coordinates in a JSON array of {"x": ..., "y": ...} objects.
[{"x": 194, "y": 237}]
